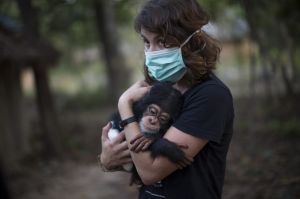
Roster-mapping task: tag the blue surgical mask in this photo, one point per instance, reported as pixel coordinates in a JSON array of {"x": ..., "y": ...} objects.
[{"x": 167, "y": 65}]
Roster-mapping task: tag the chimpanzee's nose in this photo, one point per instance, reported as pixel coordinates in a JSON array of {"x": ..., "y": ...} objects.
[{"x": 153, "y": 119}]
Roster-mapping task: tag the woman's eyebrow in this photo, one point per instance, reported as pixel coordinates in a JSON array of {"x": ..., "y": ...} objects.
[{"x": 155, "y": 38}]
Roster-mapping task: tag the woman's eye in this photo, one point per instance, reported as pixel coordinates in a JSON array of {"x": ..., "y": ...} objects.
[
  {"x": 146, "y": 44},
  {"x": 161, "y": 42}
]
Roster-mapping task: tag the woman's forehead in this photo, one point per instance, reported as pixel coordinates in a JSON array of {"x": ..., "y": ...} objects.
[{"x": 148, "y": 35}]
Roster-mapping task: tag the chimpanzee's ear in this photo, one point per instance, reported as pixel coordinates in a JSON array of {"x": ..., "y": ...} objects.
[{"x": 138, "y": 110}]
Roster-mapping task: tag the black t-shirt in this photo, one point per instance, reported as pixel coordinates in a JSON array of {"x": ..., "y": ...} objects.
[{"x": 208, "y": 114}]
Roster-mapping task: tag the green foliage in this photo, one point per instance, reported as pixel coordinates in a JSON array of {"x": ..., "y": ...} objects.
[
  {"x": 76, "y": 20},
  {"x": 215, "y": 8},
  {"x": 9, "y": 8},
  {"x": 290, "y": 128},
  {"x": 288, "y": 11},
  {"x": 125, "y": 11}
]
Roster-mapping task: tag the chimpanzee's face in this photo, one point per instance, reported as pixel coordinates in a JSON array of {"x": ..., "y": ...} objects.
[{"x": 153, "y": 119}]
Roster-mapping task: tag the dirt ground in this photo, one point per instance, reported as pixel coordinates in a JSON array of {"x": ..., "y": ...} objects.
[
  {"x": 261, "y": 163},
  {"x": 70, "y": 180}
]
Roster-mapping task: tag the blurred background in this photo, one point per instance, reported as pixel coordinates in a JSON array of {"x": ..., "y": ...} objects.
[{"x": 64, "y": 63}]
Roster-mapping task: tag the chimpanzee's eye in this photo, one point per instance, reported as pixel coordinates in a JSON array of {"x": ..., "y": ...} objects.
[
  {"x": 152, "y": 111},
  {"x": 164, "y": 119}
]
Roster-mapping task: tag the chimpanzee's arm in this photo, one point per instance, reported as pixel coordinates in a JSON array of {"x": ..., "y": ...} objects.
[{"x": 166, "y": 148}]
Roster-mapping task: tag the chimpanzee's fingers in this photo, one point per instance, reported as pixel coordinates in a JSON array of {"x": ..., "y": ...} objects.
[
  {"x": 182, "y": 164},
  {"x": 136, "y": 143},
  {"x": 141, "y": 145},
  {"x": 146, "y": 146},
  {"x": 179, "y": 166},
  {"x": 134, "y": 146},
  {"x": 136, "y": 138},
  {"x": 189, "y": 159},
  {"x": 183, "y": 146},
  {"x": 186, "y": 162}
]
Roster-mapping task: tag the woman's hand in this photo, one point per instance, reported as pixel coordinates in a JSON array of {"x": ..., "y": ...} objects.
[
  {"x": 134, "y": 93},
  {"x": 114, "y": 152}
]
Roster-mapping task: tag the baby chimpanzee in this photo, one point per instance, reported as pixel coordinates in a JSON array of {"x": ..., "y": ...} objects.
[{"x": 155, "y": 112}]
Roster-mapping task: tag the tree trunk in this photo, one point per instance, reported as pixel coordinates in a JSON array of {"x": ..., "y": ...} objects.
[
  {"x": 289, "y": 89},
  {"x": 252, "y": 69},
  {"x": 11, "y": 132},
  {"x": 4, "y": 189},
  {"x": 117, "y": 72},
  {"x": 262, "y": 33},
  {"x": 47, "y": 111},
  {"x": 48, "y": 116}
]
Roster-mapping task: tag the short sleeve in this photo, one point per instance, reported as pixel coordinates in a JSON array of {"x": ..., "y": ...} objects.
[{"x": 206, "y": 111}]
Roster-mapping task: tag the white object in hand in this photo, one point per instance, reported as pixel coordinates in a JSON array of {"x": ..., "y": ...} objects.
[{"x": 112, "y": 133}]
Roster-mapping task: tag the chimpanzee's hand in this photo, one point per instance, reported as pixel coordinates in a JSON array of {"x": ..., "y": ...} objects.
[
  {"x": 171, "y": 150},
  {"x": 186, "y": 160},
  {"x": 140, "y": 143}
]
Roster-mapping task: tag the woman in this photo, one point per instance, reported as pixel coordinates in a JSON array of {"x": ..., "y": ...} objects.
[{"x": 177, "y": 50}]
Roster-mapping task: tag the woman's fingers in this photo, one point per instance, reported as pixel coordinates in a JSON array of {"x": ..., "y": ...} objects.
[
  {"x": 120, "y": 138},
  {"x": 125, "y": 161},
  {"x": 105, "y": 131},
  {"x": 122, "y": 146},
  {"x": 124, "y": 154}
]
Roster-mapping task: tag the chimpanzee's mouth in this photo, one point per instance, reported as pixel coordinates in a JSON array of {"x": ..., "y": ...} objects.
[{"x": 146, "y": 130}]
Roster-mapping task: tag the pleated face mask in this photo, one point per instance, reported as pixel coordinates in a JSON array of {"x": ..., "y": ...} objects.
[{"x": 167, "y": 65}]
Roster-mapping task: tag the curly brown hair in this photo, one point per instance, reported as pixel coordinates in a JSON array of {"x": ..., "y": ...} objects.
[{"x": 175, "y": 20}]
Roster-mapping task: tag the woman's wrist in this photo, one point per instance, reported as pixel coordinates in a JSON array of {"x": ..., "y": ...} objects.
[{"x": 125, "y": 107}]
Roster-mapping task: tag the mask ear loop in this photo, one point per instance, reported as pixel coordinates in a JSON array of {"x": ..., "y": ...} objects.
[
  {"x": 204, "y": 45},
  {"x": 188, "y": 39}
]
